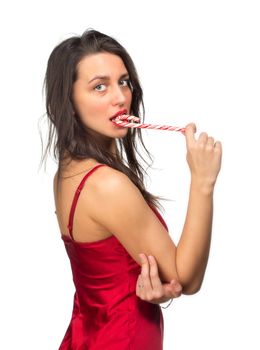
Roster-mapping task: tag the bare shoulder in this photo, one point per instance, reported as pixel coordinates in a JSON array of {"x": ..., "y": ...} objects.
[
  {"x": 108, "y": 180},
  {"x": 118, "y": 195}
]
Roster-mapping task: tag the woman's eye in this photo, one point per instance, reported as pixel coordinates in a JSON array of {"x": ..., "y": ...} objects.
[
  {"x": 124, "y": 82},
  {"x": 100, "y": 87}
]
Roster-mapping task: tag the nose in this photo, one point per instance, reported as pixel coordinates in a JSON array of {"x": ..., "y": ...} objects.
[{"x": 118, "y": 96}]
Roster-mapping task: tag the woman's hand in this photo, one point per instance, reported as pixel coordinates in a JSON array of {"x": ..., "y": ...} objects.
[
  {"x": 203, "y": 157},
  {"x": 149, "y": 286}
]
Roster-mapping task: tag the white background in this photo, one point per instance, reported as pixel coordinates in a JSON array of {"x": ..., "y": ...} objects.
[{"x": 198, "y": 61}]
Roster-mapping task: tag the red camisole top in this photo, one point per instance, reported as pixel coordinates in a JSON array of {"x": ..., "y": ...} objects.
[{"x": 107, "y": 314}]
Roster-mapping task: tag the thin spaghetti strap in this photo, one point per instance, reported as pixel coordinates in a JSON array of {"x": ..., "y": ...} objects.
[{"x": 76, "y": 196}]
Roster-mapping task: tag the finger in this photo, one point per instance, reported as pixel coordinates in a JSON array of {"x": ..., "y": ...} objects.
[
  {"x": 176, "y": 288},
  {"x": 210, "y": 141},
  {"x": 218, "y": 145},
  {"x": 190, "y": 130},
  {"x": 145, "y": 272},
  {"x": 154, "y": 275},
  {"x": 172, "y": 290},
  {"x": 138, "y": 287},
  {"x": 203, "y": 138}
]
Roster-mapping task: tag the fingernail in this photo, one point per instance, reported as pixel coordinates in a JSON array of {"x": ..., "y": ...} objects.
[
  {"x": 178, "y": 288},
  {"x": 176, "y": 285}
]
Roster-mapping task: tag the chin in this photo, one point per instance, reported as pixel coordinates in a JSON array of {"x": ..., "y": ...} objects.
[
  {"x": 120, "y": 133},
  {"x": 115, "y": 134}
]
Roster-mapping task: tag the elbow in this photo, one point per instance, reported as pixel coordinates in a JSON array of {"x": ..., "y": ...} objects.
[
  {"x": 191, "y": 288},
  {"x": 191, "y": 282}
]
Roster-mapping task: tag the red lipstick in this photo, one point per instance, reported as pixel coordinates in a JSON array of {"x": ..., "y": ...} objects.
[{"x": 122, "y": 112}]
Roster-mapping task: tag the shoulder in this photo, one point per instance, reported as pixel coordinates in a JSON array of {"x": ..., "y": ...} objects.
[
  {"x": 108, "y": 180},
  {"x": 112, "y": 192}
]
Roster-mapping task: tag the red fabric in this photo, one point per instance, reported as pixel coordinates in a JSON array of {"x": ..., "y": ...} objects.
[{"x": 107, "y": 314}]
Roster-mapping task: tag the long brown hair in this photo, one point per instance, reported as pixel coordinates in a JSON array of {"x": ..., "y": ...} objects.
[{"x": 70, "y": 136}]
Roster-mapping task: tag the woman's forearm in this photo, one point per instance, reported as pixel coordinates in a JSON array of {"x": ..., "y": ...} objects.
[{"x": 194, "y": 245}]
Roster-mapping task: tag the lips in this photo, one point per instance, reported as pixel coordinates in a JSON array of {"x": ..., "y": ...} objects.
[{"x": 121, "y": 112}]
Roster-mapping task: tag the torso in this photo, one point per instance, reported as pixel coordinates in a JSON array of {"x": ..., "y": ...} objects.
[{"x": 85, "y": 229}]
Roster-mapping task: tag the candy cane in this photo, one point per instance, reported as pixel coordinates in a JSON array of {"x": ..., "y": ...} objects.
[{"x": 130, "y": 121}]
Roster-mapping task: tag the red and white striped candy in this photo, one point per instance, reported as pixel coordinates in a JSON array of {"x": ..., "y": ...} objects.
[{"x": 130, "y": 121}]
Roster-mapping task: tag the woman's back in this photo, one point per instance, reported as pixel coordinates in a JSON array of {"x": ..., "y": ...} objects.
[
  {"x": 107, "y": 314},
  {"x": 84, "y": 227}
]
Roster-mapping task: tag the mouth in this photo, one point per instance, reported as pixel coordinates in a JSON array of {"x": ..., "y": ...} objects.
[{"x": 122, "y": 112}]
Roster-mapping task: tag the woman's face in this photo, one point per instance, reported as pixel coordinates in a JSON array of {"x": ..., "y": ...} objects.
[{"x": 100, "y": 91}]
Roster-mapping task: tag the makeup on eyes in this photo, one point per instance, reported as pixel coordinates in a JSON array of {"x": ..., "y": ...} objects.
[{"x": 102, "y": 78}]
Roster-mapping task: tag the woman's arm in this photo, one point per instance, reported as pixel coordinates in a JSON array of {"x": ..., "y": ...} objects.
[
  {"x": 204, "y": 160},
  {"x": 118, "y": 205}
]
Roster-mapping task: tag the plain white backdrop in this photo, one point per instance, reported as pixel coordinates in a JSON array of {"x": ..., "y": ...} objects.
[{"x": 198, "y": 61}]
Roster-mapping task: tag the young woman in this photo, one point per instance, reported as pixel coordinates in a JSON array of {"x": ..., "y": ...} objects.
[{"x": 105, "y": 214}]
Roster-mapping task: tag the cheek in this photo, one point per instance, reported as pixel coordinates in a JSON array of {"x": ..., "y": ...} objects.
[
  {"x": 98, "y": 107},
  {"x": 90, "y": 106},
  {"x": 129, "y": 97}
]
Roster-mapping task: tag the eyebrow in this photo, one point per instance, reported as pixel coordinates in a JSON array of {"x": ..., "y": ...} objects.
[{"x": 106, "y": 77}]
